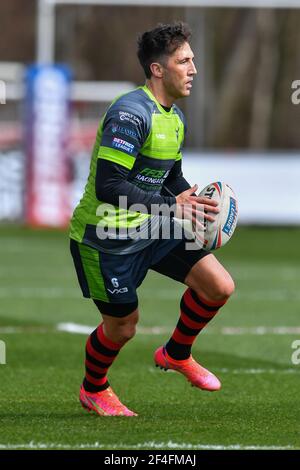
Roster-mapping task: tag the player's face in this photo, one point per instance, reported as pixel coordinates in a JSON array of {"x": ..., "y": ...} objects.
[{"x": 178, "y": 72}]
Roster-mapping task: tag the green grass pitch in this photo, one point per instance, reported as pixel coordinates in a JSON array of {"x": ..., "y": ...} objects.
[{"x": 248, "y": 345}]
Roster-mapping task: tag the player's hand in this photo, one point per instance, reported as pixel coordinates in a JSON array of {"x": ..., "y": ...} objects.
[{"x": 198, "y": 209}]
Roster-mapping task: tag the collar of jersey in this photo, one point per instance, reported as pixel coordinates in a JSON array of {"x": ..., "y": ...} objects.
[{"x": 152, "y": 97}]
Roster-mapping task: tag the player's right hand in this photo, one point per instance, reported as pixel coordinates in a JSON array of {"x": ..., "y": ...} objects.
[{"x": 195, "y": 208}]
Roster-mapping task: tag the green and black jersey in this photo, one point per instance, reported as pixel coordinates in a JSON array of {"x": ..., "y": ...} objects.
[{"x": 137, "y": 156}]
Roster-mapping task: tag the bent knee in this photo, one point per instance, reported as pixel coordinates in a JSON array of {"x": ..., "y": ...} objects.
[
  {"x": 121, "y": 329},
  {"x": 127, "y": 326},
  {"x": 126, "y": 333},
  {"x": 223, "y": 290},
  {"x": 218, "y": 291}
]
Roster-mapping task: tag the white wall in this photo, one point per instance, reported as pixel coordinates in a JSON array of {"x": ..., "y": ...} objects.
[{"x": 267, "y": 186}]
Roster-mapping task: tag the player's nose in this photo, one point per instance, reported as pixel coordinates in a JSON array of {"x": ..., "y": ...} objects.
[{"x": 192, "y": 70}]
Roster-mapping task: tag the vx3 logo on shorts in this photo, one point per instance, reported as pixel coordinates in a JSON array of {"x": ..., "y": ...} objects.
[
  {"x": 118, "y": 291},
  {"x": 115, "y": 283}
]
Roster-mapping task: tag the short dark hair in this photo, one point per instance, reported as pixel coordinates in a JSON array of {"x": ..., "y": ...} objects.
[{"x": 160, "y": 42}]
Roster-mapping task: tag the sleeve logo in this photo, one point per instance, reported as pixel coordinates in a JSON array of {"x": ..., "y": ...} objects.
[
  {"x": 123, "y": 145},
  {"x": 123, "y": 130},
  {"x": 124, "y": 116}
]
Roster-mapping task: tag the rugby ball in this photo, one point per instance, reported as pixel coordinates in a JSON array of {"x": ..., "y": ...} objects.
[{"x": 219, "y": 232}]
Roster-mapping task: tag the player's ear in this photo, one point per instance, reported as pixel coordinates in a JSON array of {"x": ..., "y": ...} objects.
[{"x": 156, "y": 69}]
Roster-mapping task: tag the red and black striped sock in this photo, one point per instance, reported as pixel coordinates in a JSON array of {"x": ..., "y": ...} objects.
[
  {"x": 100, "y": 354},
  {"x": 195, "y": 313}
]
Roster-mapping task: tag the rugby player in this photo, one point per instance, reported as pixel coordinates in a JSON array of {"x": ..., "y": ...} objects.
[{"x": 137, "y": 161}]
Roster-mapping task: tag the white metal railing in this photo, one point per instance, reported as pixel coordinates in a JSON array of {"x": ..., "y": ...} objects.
[{"x": 80, "y": 91}]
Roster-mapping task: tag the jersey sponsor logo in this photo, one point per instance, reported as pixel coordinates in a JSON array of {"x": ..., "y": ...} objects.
[
  {"x": 154, "y": 173},
  {"x": 152, "y": 176},
  {"x": 160, "y": 136},
  {"x": 124, "y": 116},
  {"x": 122, "y": 144},
  {"x": 123, "y": 130}
]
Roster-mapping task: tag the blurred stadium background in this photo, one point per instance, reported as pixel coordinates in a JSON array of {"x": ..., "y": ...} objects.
[{"x": 61, "y": 63}]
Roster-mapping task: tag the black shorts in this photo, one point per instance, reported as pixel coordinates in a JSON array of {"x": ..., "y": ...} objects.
[{"x": 113, "y": 279}]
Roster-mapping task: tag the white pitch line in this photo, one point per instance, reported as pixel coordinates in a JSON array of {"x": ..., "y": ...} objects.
[
  {"x": 261, "y": 330},
  {"x": 268, "y": 295},
  {"x": 84, "y": 329},
  {"x": 257, "y": 371},
  {"x": 57, "y": 292},
  {"x": 144, "y": 445},
  {"x": 39, "y": 292},
  {"x": 157, "y": 330},
  {"x": 277, "y": 277},
  {"x": 242, "y": 371},
  {"x": 25, "y": 329},
  {"x": 76, "y": 328}
]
